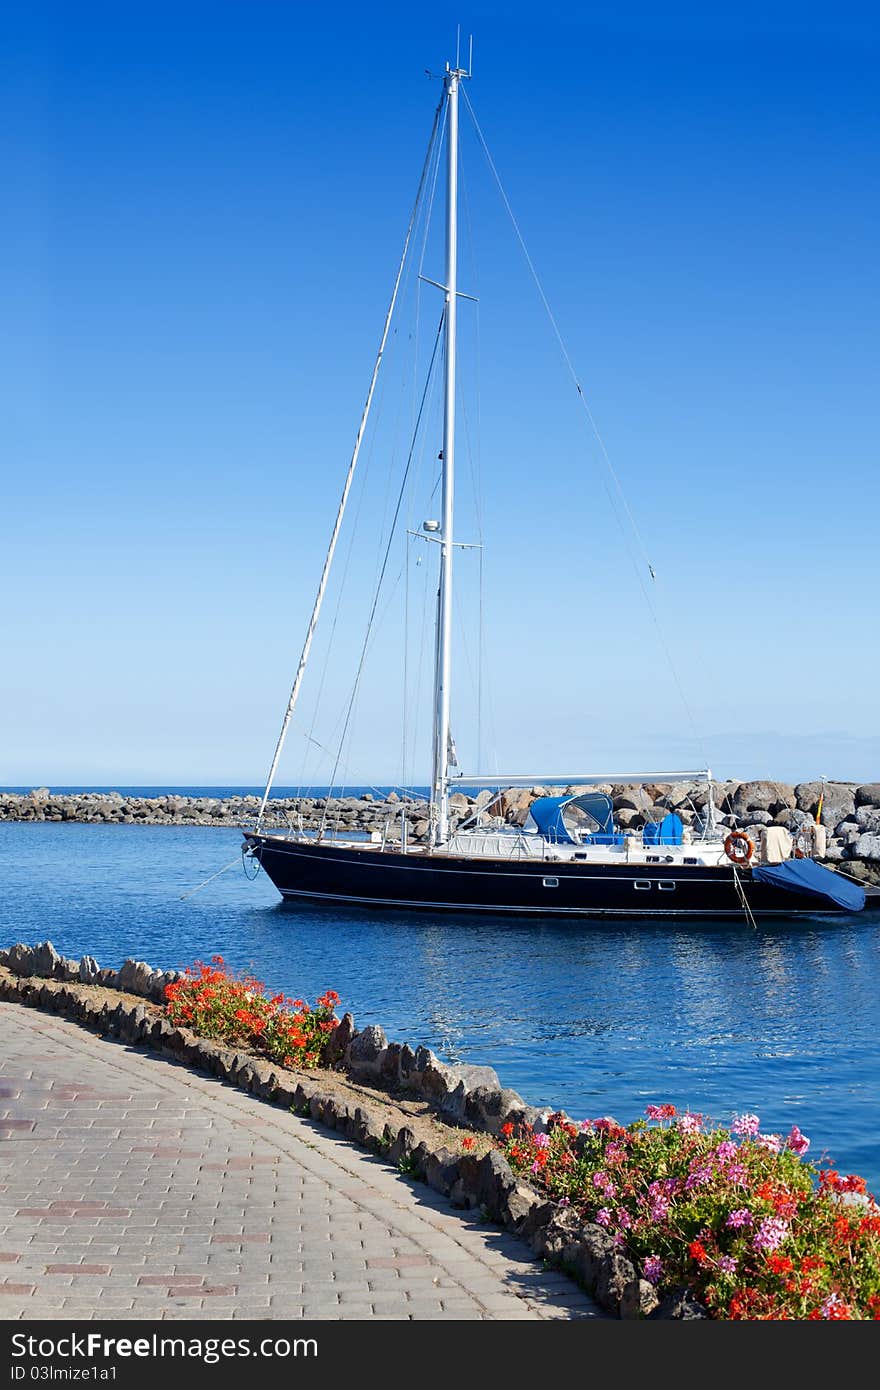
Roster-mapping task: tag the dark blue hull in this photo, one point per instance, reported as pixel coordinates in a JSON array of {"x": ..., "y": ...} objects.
[{"x": 324, "y": 872}]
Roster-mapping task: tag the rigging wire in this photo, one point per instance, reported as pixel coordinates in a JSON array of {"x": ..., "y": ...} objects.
[
  {"x": 375, "y": 604},
  {"x": 422, "y": 436},
  {"x": 337, "y": 525},
  {"x": 361, "y": 494},
  {"x": 407, "y": 281},
  {"x": 601, "y": 443},
  {"x": 559, "y": 338}
]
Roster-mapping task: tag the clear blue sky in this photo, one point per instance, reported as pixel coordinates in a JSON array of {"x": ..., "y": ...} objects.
[{"x": 204, "y": 208}]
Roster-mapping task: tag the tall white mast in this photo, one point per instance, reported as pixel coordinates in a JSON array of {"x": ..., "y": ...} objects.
[{"x": 443, "y": 669}]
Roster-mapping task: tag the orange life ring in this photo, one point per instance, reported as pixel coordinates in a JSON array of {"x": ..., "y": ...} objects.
[{"x": 739, "y": 847}]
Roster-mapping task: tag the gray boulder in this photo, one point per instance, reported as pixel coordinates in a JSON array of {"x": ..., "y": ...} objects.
[
  {"x": 868, "y": 818},
  {"x": 838, "y": 802},
  {"x": 18, "y": 958},
  {"x": 848, "y": 830},
  {"x": 437, "y": 1079},
  {"x": 488, "y": 1108},
  {"x": 594, "y": 1246},
  {"x": 496, "y": 1184},
  {"x": 793, "y": 820},
  {"x": 679, "y": 1304},
  {"x": 679, "y": 795},
  {"x": 474, "y": 1075},
  {"x": 868, "y": 795},
  {"x": 867, "y": 847},
  {"x": 639, "y": 1299},
  {"x": 441, "y": 1170},
  {"x": 46, "y": 960},
  {"x": 762, "y": 796},
  {"x": 838, "y": 799},
  {"x": 615, "y": 1276},
  {"x": 366, "y": 1051},
  {"x": 89, "y": 970},
  {"x": 631, "y": 799},
  {"x": 340, "y": 1040},
  {"x": 136, "y": 977}
]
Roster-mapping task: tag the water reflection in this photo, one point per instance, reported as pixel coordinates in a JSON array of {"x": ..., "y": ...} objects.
[{"x": 600, "y": 1017}]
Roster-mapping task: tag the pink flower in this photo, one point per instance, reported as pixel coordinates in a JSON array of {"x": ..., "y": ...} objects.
[
  {"x": 739, "y": 1218},
  {"x": 542, "y": 1141},
  {"x": 652, "y": 1268},
  {"x": 797, "y": 1142},
  {"x": 736, "y": 1174},
  {"x": 771, "y": 1233},
  {"x": 725, "y": 1150},
  {"x": 659, "y": 1209},
  {"x": 660, "y": 1112},
  {"x": 602, "y": 1180},
  {"x": 536, "y": 1167},
  {"x": 603, "y": 1216},
  {"x": 624, "y": 1220},
  {"x": 727, "y": 1264},
  {"x": 689, "y": 1124},
  {"x": 746, "y": 1125},
  {"x": 771, "y": 1142},
  {"x": 698, "y": 1177}
]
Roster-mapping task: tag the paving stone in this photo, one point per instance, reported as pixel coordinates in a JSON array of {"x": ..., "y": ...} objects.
[{"x": 235, "y": 1210}]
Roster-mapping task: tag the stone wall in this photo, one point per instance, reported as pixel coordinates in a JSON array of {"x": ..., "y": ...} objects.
[
  {"x": 355, "y": 1098},
  {"x": 850, "y": 811}
]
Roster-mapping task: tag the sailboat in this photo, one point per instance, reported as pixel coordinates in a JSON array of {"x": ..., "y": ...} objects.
[{"x": 569, "y": 859}]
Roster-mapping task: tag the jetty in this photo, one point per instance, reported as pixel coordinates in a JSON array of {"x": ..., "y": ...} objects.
[{"x": 849, "y": 811}]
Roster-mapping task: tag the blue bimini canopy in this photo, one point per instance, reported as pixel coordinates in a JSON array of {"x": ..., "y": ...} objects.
[
  {"x": 597, "y": 816},
  {"x": 806, "y": 876}
]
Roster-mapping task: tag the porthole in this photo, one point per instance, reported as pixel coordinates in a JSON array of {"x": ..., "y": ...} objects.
[
  {"x": 666, "y": 886},
  {"x": 551, "y": 882},
  {"x": 642, "y": 885}
]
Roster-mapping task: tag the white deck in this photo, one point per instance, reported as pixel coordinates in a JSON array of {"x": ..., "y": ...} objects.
[{"x": 518, "y": 844}]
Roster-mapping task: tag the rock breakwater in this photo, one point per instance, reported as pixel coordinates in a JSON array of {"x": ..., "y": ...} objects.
[{"x": 850, "y": 811}]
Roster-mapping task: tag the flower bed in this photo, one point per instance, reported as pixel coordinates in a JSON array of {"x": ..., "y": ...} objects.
[
  {"x": 735, "y": 1215},
  {"x": 233, "y": 1007}
]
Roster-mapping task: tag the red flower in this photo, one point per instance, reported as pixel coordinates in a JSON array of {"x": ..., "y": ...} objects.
[
  {"x": 697, "y": 1251},
  {"x": 839, "y": 1312},
  {"x": 507, "y": 1130},
  {"x": 468, "y": 1142}
]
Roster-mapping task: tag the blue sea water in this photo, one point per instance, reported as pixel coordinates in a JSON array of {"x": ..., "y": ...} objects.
[{"x": 599, "y": 1019}]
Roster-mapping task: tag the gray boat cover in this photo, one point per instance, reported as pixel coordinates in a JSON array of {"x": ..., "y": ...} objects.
[{"x": 806, "y": 876}]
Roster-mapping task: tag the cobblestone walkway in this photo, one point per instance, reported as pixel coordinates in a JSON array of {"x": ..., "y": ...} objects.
[{"x": 131, "y": 1187}]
